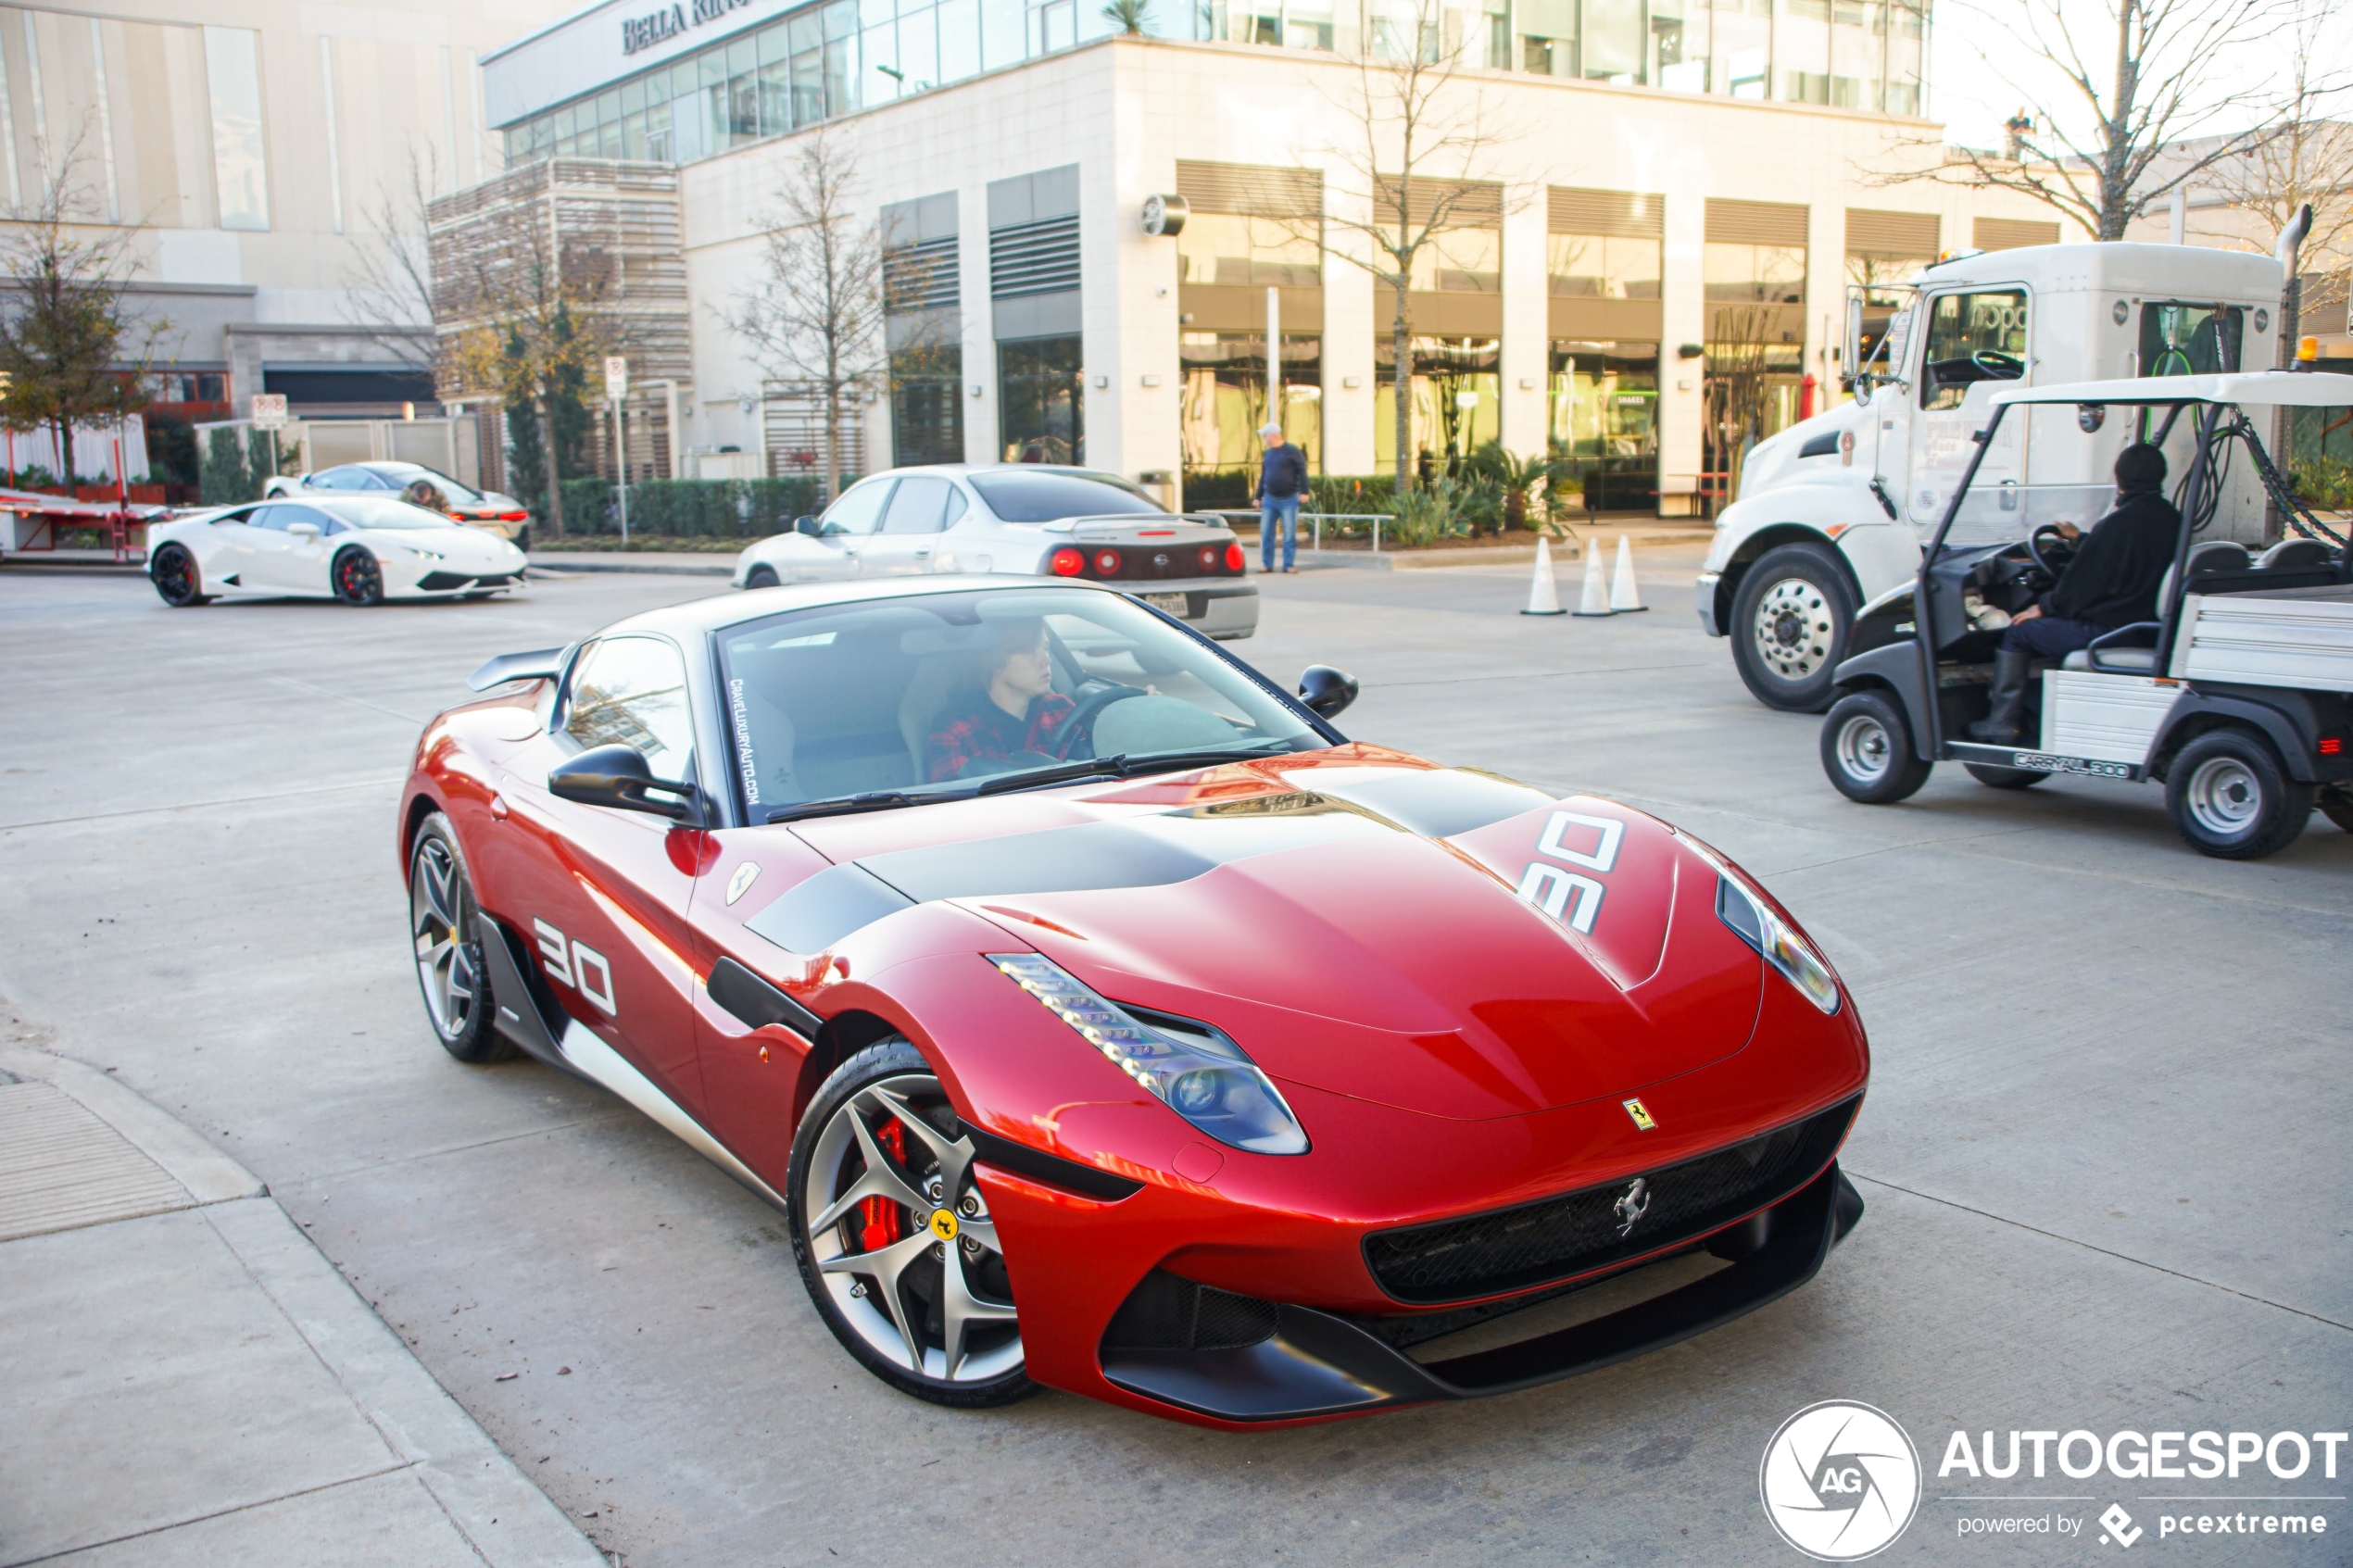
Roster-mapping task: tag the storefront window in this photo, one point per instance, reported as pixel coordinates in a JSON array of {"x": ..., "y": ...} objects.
[
  {"x": 1461, "y": 261},
  {"x": 1454, "y": 402},
  {"x": 1603, "y": 415},
  {"x": 1041, "y": 414},
  {"x": 1224, "y": 398},
  {"x": 1603, "y": 265},
  {"x": 1218, "y": 247},
  {"x": 928, "y": 404}
]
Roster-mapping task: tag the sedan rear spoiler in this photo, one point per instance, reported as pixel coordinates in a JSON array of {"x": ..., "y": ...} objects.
[{"x": 541, "y": 664}]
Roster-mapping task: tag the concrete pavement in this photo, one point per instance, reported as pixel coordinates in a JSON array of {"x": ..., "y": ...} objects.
[
  {"x": 185, "y": 1379},
  {"x": 2103, "y": 1150}
]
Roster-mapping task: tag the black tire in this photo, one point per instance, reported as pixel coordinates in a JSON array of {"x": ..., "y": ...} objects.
[
  {"x": 850, "y": 1125},
  {"x": 760, "y": 577},
  {"x": 1994, "y": 777},
  {"x": 442, "y": 929},
  {"x": 1867, "y": 750},
  {"x": 2336, "y": 802},
  {"x": 358, "y": 580},
  {"x": 522, "y": 538},
  {"x": 2231, "y": 797},
  {"x": 176, "y": 578},
  {"x": 1791, "y": 616}
]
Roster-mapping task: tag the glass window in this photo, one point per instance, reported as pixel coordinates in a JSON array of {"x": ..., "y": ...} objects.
[
  {"x": 909, "y": 693},
  {"x": 1548, "y": 37},
  {"x": 1000, "y": 33},
  {"x": 1224, "y": 400},
  {"x": 1041, "y": 409},
  {"x": 1049, "y": 498},
  {"x": 958, "y": 39},
  {"x": 927, "y": 404},
  {"x": 232, "y": 77},
  {"x": 860, "y": 508},
  {"x": 1454, "y": 403},
  {"x": 1461, "y": 261},
  {"x": 919, "y": 505},
  {"x": 633, "y": 136},
  {"x": 1755, "y": 274},
  {"x": 632, "y": 691},
  {"x": 1972, "y": 337},
  {"x": 277, "y": 515},
  {"x": 1603, "y": 417},
  {"x": 775, "y": 98},
  {"x": 774, "y": 44},
  {"x": 1603, "y": 265},
  {"x": 633, "y": 97},
  {"x": 1219, "y": 247},
  {"x": 1615, "y": 46},
  {"x": 919, "y": 49},
  {"x": 880, "y": 81},
  {"x": 2189, "y": 340},
  {"x": 609, "y": 107},
  {"x": 809, "y": 86}
]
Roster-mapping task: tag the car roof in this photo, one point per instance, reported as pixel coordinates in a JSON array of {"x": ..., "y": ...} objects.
[
  {"x": 700, "y": 617},
  {"x": 968, "y": 470}
]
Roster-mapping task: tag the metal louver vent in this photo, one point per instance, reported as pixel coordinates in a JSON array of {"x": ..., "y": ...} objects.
[
  {"x": 920, "y": 276},
  {"x": 1891, "y": 233},
  {"x": 1471, "y": 203},
  {"x": 1631, "y": 214},
  {"x": 2011, "y": 233},
  {"x": 1756, "y": 223},
  {"x": 1251, "y": 190},
  {"x": 1041, "y": 257}
]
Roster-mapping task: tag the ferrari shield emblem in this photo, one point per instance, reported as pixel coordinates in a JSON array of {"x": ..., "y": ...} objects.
[
  {"x": 741, "y": 881},
  {"x": 1642, "y": 1117}
]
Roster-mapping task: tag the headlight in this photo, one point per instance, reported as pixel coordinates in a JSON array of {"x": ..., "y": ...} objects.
[
  {"x": 422, "y": 555},
  {"x": 1753, "y": 923},
  {"x": 1202, "y": 1077}
]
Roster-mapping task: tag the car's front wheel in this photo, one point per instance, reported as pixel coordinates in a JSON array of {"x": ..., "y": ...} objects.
[
  {"x": 894, "y": 1239},
  {"x": 358, "y": 578},
  {"x": 2231, "y": 797},
  {"x": 443, "y": 932},
  {"x": 177, "y": 579},
  {"x": 1789, "y": 620}
]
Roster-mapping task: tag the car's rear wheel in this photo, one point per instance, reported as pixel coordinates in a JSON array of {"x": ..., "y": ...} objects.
[
  {"x": 894, "y": 1239},
  {"x": 1994, "y": 776},
  {"x": 760, "y": 577},
  {"x": 1867, "y": 750},
  {"x": 442, "y": 930},
  {"x": 2231, "y": 797},
  {"x": 1789, "y": 620},
  {"x": 358, "y": 578},
  {"x": 177, "y": 579}
]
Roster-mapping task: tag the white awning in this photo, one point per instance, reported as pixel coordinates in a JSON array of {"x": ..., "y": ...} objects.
[{"x": 2292, "y": 389}]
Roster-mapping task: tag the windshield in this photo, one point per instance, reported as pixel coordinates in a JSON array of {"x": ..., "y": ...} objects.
[
  {"x": 936, "y": 694},
  {"x": 1048, "y": 496},
  {"x": 382, "y": 512}
]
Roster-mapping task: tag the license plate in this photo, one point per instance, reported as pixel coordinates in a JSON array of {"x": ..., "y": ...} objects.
[{"x": 1173, "y": 603}]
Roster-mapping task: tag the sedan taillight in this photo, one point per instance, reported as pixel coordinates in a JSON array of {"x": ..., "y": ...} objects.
[
  {"x": 1067, "y": 562},
  {"x": 1234, "y": 557}
]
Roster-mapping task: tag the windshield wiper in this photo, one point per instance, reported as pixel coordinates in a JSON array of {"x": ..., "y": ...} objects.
[
  {"x": 1121, "y": 767},
  {"x": 843, "y": 805}
]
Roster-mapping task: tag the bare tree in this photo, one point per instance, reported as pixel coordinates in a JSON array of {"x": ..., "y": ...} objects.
[
  {"x": 2307, "y": 156},
  {"x": 388, "y": 286},
  {"x": 73, "y": 354},
  {"x": 813, "y": 320},
  {"x": 1418, "y": 128},
  {"x": 2138, "y": 74}
]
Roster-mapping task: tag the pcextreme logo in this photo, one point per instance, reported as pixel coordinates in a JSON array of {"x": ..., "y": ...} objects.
[{"x": 1839, "y": 1481}]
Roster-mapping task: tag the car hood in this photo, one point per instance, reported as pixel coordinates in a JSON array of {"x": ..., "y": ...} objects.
[
  {"x": 1426, "y": 938},
  {"x": 455, "y": 541}
]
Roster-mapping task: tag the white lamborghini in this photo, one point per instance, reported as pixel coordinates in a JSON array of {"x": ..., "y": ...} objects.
[{"x": 361, "y": 549}]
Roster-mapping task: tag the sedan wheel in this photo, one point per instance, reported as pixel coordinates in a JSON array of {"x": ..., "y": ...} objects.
[
  {"x": 894, "y": 1239},
  {"x": 358, "y": 578}
]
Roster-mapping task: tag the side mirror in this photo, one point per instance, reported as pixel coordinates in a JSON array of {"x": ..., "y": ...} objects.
[
  {"x": 617, "y": 776},
  {"x": 808, "y": 525},
  {"x": 1327, "y": 691},
  {"x": 302, "y": 530}
]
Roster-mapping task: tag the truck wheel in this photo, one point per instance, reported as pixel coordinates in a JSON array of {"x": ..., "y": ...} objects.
[
  {"x": 1996, "y": 777},
  {"x": 1789, "y": 620},
  {"x": 2231, "y": 797},
  {"x": 1867, "y": 750}
]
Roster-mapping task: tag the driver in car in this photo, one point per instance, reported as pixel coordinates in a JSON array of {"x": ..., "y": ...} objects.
[
  {"x": 1010, "y": 718},
  {"x": 2112, "y": 582}
]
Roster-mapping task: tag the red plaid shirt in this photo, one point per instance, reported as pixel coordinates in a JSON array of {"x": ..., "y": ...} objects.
[{"x": 986, "y": 730}]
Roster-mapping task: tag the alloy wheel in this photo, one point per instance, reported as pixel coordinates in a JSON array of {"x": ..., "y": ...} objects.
[
  {"x": 1794, "y": 628},
  {"x": 902, "y": 1239},
  {"x": 448, "y": 965}
]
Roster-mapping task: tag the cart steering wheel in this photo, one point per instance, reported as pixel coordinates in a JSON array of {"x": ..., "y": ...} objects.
[
  {"x": 2034, "y": 549},
  {"x": 1997, "y": 365},
  {"x": 1082, "y": 718}
]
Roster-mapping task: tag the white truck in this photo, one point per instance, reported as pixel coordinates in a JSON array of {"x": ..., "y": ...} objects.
[{"x": 1832, "y": 511}]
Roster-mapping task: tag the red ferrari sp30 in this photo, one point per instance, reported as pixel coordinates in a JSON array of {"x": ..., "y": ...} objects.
[{"x": 1100, "y": 1017}]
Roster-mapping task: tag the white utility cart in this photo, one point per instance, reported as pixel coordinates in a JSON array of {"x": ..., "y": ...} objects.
[{"x": 2239, "y": 697}]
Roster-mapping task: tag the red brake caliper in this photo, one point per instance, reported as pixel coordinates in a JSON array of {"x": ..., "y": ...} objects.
[{"x": 878, "y": 1220}]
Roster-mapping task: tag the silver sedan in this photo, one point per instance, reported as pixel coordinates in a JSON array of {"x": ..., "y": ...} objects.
[{"x": 1022, "y": 519}]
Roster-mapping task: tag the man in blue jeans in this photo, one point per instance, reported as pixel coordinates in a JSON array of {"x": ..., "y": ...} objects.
[{"x": 1282, "y": 476}]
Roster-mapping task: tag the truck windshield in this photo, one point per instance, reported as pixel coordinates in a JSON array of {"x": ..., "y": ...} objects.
[{"x": 1972, "y": 337}]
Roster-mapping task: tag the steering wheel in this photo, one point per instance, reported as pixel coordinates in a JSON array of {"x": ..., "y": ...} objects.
[
  {"x": 2034, "y": 549},
  {"x": 1082, "y": 718},
  {"x": 1997, "y": 365}
]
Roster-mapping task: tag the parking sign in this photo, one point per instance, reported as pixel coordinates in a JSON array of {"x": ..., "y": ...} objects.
[
  {"x": 269, "y": 411},
  {"x": 616, "y": 377}
]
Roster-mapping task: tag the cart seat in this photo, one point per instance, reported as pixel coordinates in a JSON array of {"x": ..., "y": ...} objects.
[{"x": 2112, "y": 661}]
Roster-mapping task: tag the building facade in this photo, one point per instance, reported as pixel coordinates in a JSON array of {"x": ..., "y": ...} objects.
[{"x": 1630, "y": 241}]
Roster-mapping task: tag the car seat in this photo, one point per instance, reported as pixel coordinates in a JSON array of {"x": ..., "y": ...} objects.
[
  {"x": 938, "y": 677},
  {"x": 2296, "y": 554}
]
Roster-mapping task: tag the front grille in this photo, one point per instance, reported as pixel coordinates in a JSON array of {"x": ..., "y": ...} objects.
[
  {"x": 438, "y": 581},
  {"x": 1556, "y": 1238},
  {"x": 1167, "y": 1312}
]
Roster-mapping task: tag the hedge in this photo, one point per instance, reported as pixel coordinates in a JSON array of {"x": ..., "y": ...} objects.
[{"x": 687, "y": 508}]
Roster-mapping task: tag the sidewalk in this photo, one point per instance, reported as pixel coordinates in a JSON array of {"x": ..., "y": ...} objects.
[{"x": 185, "y": 1379}]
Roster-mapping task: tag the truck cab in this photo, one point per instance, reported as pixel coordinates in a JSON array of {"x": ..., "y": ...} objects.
[{"x": 1831, "y": 513}]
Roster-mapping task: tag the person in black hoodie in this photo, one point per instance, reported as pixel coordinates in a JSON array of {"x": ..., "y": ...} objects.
[{"x": 2112, "y": 582}]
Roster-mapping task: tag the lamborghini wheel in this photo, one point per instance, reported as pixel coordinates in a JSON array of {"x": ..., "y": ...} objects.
[
  {"x": 449, "y": 969},
  {"x": 358, "y": 578},
  {"x": 894, "y": 1239},
  {"x": 176, "y": 578}
]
